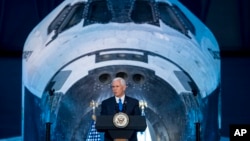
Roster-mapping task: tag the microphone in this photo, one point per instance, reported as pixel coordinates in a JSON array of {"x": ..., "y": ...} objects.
[
  {"x": 116, "y": 108},
  {"x": 124, "y": 106}
]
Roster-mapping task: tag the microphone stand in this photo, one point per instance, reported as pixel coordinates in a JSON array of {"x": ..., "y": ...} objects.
[
  {"x": 48, "y": 123},
  {"x": 197, "y": 124},
  {"x": 197, "y": 128}
]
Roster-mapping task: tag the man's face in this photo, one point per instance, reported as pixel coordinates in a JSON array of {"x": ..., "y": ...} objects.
[{"x": 118, "y": 89}]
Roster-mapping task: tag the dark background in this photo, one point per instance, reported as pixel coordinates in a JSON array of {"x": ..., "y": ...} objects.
[{"x": 227, "y": 19}]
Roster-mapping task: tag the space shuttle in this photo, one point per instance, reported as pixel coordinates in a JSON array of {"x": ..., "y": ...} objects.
[{"x": 168, "y": 57}]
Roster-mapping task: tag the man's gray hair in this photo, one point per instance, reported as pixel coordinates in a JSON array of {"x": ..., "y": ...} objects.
[{"x": 123, "y": 82}]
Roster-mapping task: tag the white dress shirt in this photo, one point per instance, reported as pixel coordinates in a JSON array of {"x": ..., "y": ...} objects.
[{"x": 122, "y": 98}]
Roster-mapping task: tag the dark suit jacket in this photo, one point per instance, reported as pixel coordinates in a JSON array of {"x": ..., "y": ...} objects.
[{"x": 130, "y": 107}]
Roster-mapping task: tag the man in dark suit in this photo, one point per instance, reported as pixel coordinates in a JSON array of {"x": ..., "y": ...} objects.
[{"x": 110, "y": 106}]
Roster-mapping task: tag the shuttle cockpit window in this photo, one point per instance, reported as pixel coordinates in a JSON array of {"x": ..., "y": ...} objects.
[
  {"x": 168, "y": 16},
  {"x": 68, "y": 17},
  {"x": 173, "y": 17},
  {"x": 56, "y": 23},
  {"x": 185, "y": 21},
  {"x": 75, "y": 16},
  {"x": 142, "y": 12},
  {"x": 102, "y": 11},
  {"x": 139, "y": 12},
  {"x": 98, "y": 12}
]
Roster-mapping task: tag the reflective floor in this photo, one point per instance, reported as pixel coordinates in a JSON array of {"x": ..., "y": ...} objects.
[{"x": 140, "y": 138}]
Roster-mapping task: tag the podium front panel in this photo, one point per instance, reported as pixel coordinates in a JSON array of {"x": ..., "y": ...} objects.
[{"x": 137, "y": 123}]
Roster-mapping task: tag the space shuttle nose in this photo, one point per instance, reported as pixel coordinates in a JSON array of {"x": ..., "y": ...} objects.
[{"x": 153, "y": 45}]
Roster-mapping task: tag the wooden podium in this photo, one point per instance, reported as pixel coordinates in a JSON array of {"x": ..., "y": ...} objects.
[{"x": 105, "y": 124}]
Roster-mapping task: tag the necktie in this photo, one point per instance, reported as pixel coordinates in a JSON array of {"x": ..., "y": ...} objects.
[{"x": 120, "y": 105}]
